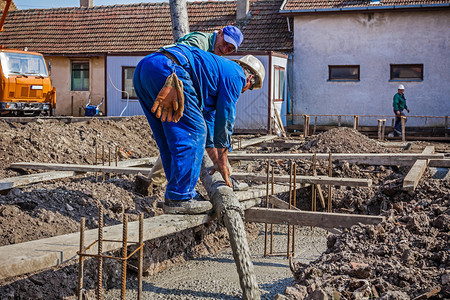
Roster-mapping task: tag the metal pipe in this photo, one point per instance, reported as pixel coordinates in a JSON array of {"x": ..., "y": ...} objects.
[
  {"x": 80, "y": 261},
  {"x": 124, "y": 256},
  {"x": 141, "y": 255},
  {"x": 100, "y": 250}
]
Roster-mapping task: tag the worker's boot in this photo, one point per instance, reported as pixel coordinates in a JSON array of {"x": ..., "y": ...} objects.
[{"x": 195, "y": 206}]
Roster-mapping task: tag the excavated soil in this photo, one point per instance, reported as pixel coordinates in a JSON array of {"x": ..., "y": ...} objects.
[{"x": 402, "y": 258}]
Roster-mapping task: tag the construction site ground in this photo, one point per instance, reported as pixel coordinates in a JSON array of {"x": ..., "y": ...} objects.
[{"x": 404, "y": 257}]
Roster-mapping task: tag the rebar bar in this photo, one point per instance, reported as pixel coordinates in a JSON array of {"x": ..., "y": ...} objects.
[
  {"x": 313, "y": 194},
  {"x": 271, "y": 225},
  {"x": 80, "y": 262},
  {"x": 117, "y": 158},
  {"x": 124, "y": 256},
  {"x": 295, "y": 205},
  {"x": 141, "y": 255},
  {"x": 103, "y": 161},
  {"x": 109, "y": 161},
  {"x": 100, "y": 250},
  {"x": 290, "y": 204},
  {"x": 96, "y": 157},
  {"x": 267, "y": 206},
  {"x": 330, "y": 173}
]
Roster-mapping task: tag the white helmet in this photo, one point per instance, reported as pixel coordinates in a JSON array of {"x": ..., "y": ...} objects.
[
  {"x": 256, "y": 66},
  {"x": 401, "y": 87}
]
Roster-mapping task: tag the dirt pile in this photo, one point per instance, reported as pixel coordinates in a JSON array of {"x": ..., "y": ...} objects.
[
  {"x": 402, "y": 258},
  {"x": 57, "y": 142},
  {"x": 341, "y": 140}
]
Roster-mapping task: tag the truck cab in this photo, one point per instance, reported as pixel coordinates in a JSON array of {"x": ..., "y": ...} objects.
[{"x": 25, "y": 87}]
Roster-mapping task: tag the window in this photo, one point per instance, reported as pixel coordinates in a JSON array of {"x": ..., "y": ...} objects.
[
  {"x": 278, "y": 90},
  {"x": 343, "y": 73},
  {"x": 407, "y": 72},
  {"x": 127, "y": 82},
  {"x": 80, "y": 76}
]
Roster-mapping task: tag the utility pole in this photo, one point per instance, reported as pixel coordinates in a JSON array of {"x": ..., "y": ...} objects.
[{"x": 179, "y": 16}]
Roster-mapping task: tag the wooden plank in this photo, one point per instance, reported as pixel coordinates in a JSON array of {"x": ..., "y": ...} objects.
[
  {"x": 439, "y": 163},
  {"x": 79, "y": 168},
  {"x": 336, "y": 156},
  {"x": 391, "y": 159},
  {"x": 256, "y": 141},
  {"x": 277, "y": 202},
  {"x": 412, "y": 178},
  {"x": 307, "y": 218},
  {"x": 309, "y": 179},
  {"x": 12, "y": 182},
  {"x": 320, "y": 193},
  {"x": 428, "y": 150}
]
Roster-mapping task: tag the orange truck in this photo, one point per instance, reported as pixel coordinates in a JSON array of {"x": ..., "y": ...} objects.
[{"x": 25, "y": 87}]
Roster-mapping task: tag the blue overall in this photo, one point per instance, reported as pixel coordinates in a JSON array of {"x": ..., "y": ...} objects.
[{"x": 211, "y": 87}]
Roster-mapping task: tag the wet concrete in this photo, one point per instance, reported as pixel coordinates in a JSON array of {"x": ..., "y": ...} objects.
[{"x": 215, "y": 276}]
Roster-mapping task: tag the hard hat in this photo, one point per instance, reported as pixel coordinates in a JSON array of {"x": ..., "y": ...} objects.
[
  {"x": 256, "y": 66},
  {"x": 401, "y": 87}
]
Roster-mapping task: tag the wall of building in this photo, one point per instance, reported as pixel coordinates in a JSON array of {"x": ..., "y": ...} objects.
[
  {"x": 71, "y": 103},
  {"x": 116, "y": 104},
  {"x": 373, "y": 41}
]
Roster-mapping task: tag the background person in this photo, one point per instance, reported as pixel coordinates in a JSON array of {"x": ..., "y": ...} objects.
[{"x": 399, "y": 105}]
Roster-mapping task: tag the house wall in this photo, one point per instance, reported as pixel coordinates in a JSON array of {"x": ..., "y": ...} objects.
[
  {"x": 252, "y": 107},
  {"x": 70, "y": 102},
  {"x": 373, "y": 41},
  {"x": 115, "y": 102}
]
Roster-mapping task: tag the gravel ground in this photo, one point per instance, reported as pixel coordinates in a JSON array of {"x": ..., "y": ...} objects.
[{"x": 215, "y": 277}]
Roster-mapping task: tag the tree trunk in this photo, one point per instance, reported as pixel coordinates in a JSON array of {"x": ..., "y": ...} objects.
[{"x": 179, "y": 16}]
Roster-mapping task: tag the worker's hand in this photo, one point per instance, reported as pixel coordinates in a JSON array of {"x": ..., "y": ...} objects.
[
  {"x": 222, "y": 164},
  {"x": 407, "y": 110},
  {"x": 397, "y": 113}
]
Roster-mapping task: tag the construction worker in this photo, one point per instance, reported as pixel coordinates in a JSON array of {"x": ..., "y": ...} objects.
[
  {"x": 211, "y": 86},
  {"x": 399, "y": 105},
  {"x": 221, "y": 42}
]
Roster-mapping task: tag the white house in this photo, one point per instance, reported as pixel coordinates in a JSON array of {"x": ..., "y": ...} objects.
[{"x": 350, "y": 57}]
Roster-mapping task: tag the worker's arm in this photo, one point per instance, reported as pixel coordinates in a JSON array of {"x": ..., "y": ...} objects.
[{"x": 229, "y": 90}]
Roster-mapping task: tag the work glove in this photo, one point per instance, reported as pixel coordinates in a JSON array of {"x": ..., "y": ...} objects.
[{"x": 169, "y": 104}]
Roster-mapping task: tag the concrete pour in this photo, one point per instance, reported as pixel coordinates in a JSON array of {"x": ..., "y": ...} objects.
[{"x": 215, "y": 276}]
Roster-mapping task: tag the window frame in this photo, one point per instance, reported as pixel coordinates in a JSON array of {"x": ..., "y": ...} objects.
[
  {"x": 280, "y": 92},
  {"x": 358, "y": 67},
  {"x": 124, "y": 95},
  {"x": 83, "y": 89},
  {"x": 392, "y": 66}
]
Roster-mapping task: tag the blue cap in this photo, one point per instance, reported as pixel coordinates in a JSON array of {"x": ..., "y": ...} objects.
[{"x": 233, "y": 36}]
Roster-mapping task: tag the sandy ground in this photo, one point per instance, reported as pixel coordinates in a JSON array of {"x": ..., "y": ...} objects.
[{"x": 215, "y": 276}]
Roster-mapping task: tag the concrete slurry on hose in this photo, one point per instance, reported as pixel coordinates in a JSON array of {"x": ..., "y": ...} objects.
[{"x": 215, "y": 276}]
